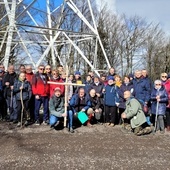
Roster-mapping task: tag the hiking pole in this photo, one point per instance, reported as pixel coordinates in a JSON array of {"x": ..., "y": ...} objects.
[
  {"x": 156, "y": 116},
  {"x": 22, "y": 104}
]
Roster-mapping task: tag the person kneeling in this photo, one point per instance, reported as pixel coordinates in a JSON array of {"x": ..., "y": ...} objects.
[
  {"x": 56, "y": 108},
  {"x": 137, "y": 117}
]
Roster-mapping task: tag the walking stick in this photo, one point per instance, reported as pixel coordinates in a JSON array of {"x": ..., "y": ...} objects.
[
  {"x": 156, "y": 116},
  {"x": 66, "y": 97},
  {"x": 22, "y": 103}
]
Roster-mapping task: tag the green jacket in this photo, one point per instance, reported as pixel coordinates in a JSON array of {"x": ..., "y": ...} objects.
[
  {"x": 56, "y": 106},
  {"x": 134, "y": 113}
]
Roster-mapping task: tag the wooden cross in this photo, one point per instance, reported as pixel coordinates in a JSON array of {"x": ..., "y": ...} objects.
[{"x": 66, "y": 84}]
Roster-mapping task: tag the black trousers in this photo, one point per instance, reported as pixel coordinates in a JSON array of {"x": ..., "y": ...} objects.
[
  {"x": 110, "y": 114},
  {"x": 168, "y": 116}
]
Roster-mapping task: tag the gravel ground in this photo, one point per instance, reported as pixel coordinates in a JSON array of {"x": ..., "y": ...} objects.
[{"x": 95, "y": 148}]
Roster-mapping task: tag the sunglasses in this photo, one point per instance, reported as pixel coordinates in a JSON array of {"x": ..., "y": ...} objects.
[{"x": 164, "y": 76}]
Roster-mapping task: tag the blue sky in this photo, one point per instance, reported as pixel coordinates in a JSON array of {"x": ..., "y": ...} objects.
[{"x": 156, "y": 11}]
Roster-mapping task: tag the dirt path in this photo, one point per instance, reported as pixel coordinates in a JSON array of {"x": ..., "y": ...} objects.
[{"x": 97, "y": 148}]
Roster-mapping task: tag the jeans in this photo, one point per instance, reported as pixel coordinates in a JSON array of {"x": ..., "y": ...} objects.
[
  {"x": 54, "y": 119},
  {"x": 43, "y": 100}
]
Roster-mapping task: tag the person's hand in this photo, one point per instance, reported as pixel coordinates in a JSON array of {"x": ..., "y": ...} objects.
[
  {"x": 158, "y": 98},
  {"x": 7, "y": 83},
  {"x": 98, "y": 95},
  {"x": 12, "y": 87},
  {"x": 103, "y": 91},
  {"x": 37, "y": 97},
  {"x": 117, "y": 104},
  {"x": 123, "y": 115},
  {"x": 83, "y": 110},
  {"x": 21, "y": 87},
  {"x": 97, "y": 110},
  {"x": 64, "y": 115}
]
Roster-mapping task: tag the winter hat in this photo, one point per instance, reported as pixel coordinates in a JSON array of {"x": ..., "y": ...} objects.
[
  {"x": 57, "y": 89},
  {"x": 110, "y": 78},
  {"x": 77, "y": 73},
  {"x": 131, "y": 75}
]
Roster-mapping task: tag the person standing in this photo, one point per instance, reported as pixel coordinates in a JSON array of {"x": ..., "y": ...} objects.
[
  {"x": 8, "y": 82},
  {"x": 159, "y": 99},
  {"x": 41, "y": 91},
  {"x": 111, "y": 101},
  {"x": 22, "y": 91}
]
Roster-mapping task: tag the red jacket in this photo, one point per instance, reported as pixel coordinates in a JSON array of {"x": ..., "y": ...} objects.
[
  {"x": 53, "y": 86},
  {"x": 40, "y": 86},
  {"x": 29, "y": 76},
  {"x": 167, "y": 87}
]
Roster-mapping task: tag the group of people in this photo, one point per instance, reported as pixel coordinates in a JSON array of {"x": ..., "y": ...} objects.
[{"x": 133, "y": 101}]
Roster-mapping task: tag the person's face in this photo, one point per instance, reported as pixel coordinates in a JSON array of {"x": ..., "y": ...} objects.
[
  {"x": 164, "y": 77},
  {"x": 112, "y": 71},
  {"x": 22, "y": 69},
  {"x": 22, "y": 76},
  {"x": 88, "y": 78},
  {"x": 158, "y": 85},
  {"x": 57, "y": 93},
  {"x": 92, "y": 93},
  {"x": 96, "y": 80},
  {"x": 144, "y": 73},
  {"x": 138, "y": 74},
  {"x": 126, "y": 80},
  {"x": 28, "y": 70},
  {"x": 60, "y": 69},
  {"x": 2, "y": 67},
  {"x": 81, "y": 93},
  {"x": 77, "y": 76},
  {"x": 48, "y": 69},
  {"x": 71, "y": 77},
  {"x": 127, "y": 94},
  {"x": 63, "y": 76},
  {"x": 41, "y": 69},
  {"x": 103, "y": 78},
  {"x": 110, "y": 82},
  {"x": 55, "y": 74},
  {"x": 117, "y": 78},
  {"x": 11, "y": 69}
]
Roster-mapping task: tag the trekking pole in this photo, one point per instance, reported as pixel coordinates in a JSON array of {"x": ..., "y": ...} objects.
[
  {"x": 156, "y": 116},
  {"x": 22, "y": 104},
  {"x": 104, "y": 116}
]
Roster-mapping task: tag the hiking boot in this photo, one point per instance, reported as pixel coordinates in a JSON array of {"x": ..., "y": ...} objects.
[
  {"x": 44, "y": 123},
  {"x": 89, "y": 124},
  {"x": 26, "y": 123},
  {"x": 147, "y": 130},
  {"x": 162, "y": 131},
  {"x": 71, "y": 130},
  {"x": 107, "y": 124},
  {"x": 126, "y": 131},
  {"x": 37, "y": 123},
  {"x": 112, "y": 125},
  {"x": 18, "y": 124}
]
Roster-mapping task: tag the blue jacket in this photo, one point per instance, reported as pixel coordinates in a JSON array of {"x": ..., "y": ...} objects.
[
  {"x": 75, "y": 103},
  {"x": 162, "y": 103},
  {"x": 26, "y": 92},
  {"x": 142, "y": 89},
  {"x": 111, "y": 96},
  {"x": 123, "y": 88}
]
